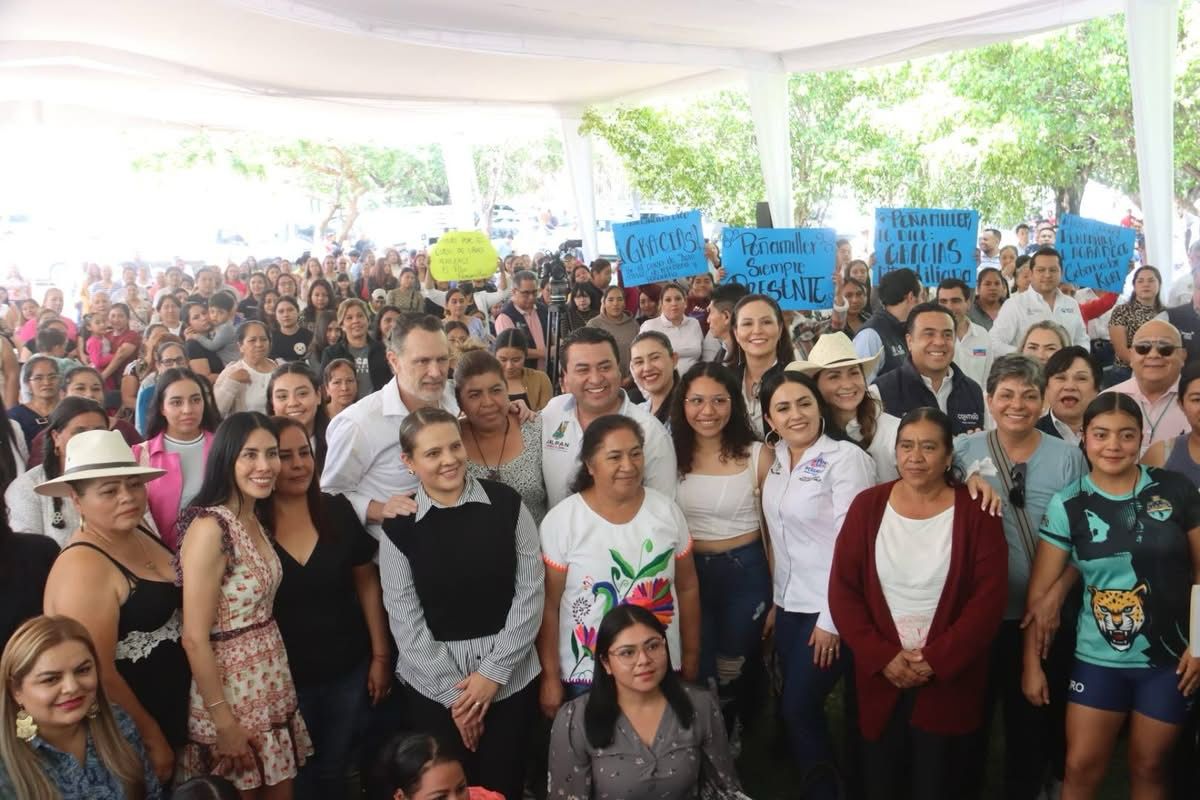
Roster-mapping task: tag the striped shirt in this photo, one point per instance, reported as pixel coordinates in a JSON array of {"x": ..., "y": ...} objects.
[{"x": 508, "y": 658}]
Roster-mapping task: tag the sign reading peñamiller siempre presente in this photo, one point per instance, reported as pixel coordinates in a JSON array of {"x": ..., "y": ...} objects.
[
  {"x": 935, "y": 243},
  {"x": 792, "y": 265},
  {"x": 1094, "y": 254},
  {"x": 661, "y": 248}
]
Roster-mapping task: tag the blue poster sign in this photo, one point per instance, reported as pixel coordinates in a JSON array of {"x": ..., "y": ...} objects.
[
  {"x": 935, "y": 243},
  {"x": 660, "y": 249},
  {"x": 1094, "y": 254},
  {"x": 793, "y": 265}
]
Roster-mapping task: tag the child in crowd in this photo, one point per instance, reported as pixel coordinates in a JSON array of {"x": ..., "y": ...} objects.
[{"x": 221, "y": 337}]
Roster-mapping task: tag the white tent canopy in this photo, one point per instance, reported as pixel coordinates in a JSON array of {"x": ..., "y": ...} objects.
[{"x": 432, "y": 69}]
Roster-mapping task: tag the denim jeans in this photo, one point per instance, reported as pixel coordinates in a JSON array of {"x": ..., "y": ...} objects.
[
  {"x": 335, "y": 713},
  {"x": 805, "y": 688},
  {"x": 735, "y": 596}
]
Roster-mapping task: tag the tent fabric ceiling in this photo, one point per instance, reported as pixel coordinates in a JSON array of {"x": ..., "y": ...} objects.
[{"x": 338, "y": 66}]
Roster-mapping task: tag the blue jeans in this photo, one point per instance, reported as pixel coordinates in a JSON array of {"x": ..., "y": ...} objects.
[
  {"x": 805, "y": 687},
  {"x": 335, "y": 713},
  {"x": 735, "y": 596}
]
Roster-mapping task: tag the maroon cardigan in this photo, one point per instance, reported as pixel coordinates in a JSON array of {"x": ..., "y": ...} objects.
[{"x": 960, "y": 636}]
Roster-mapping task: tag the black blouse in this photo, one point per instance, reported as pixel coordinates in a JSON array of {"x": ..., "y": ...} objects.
[
  {"x": 25, "y": 561},
  {"x": 316, "y": 607}
]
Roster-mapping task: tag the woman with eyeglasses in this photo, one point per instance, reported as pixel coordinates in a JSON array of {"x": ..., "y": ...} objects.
[
  {"x": 41, "y": 378},
  {"x": 722, "y": 467},
  {"x": 640, "y": 733},
  {"x": 1025, "y": 467},
  {"x": 1133, "y": 533}
]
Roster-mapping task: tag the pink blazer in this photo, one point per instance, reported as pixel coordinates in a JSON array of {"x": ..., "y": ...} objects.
[{"x": 163, "y": 493}]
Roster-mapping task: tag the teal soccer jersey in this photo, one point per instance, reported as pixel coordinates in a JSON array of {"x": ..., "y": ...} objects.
[{"x": 1133, "y": 555}]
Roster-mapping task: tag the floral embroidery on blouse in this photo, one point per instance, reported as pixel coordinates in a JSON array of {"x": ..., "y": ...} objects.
[{"x": 628, "y": 584}]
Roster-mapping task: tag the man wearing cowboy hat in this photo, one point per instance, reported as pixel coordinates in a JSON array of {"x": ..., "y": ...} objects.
[{"x": 929, "y": 376}]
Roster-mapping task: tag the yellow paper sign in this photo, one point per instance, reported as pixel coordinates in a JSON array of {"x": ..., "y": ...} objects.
[{"x": 462, "y": 256}]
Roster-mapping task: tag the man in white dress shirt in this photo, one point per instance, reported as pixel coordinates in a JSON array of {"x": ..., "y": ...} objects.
[
  {"x": 1043, "y": 300},
  {"x": 973, "y": 350},
  {"x": 592, "y": 381},
  {"x": 363, "y": 457}
]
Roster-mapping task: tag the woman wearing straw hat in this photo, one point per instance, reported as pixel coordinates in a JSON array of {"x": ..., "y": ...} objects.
[
  {"x": 841, "y": 375},
  {"x": 118, "y": 579}
]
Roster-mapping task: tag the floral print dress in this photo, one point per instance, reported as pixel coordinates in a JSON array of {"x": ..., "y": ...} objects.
[{"x": 253, "y": 666}]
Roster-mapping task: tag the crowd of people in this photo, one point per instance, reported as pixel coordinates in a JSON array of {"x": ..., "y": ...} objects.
[{"x": 324, "y": 528}]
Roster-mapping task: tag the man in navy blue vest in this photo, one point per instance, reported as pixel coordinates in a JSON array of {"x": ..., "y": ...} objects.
[
  {"x": 929, "y": 376},
  {"x": 899, "y": 291}
]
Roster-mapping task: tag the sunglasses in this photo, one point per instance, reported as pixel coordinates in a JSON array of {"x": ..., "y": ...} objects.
[
  {"x": 1016, "y": 495},
  {"x": 1164, "y": 348}
]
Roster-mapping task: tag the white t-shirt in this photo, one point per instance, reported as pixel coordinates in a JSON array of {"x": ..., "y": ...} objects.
[
  {"x": 912, "y": 559},
  {"x": 191, "y": 466},
  {"x": 607, "y": 565}
]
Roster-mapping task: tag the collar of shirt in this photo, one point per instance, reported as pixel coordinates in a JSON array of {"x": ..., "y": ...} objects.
[
  {"x": 472, "y": 492},
  {"x": 568, "y": 406},
  {"x": 1032, "y": 295},
  {"x": 1068, "y": 435}
]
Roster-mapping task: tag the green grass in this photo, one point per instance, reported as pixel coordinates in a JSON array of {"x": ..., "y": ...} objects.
[{"x": 767, "y": 773}]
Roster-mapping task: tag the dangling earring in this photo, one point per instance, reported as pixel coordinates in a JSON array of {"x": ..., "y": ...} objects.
[
  {"x": 26, "y": 727},
  {"x": 94, "y": 711}
]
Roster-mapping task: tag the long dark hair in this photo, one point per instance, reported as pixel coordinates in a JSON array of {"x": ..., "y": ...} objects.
[
  {"x": 219, "y": 485},
  {"x": 321, "y": 420},
  {"x": 772, "y": 383},
  {"x": 602, "y": 710},
  {"x": 156, "y": 422},
  {"x": 593, "y": 437},
  {"x": 9, "y": 468},
  {"x": 783, "y": 349},
  {"x": 1104, "y": 403},
  {"x": 310, "y": 313},
  {"x": 313, "y": 497},
  {"x": 736, "y": 436},
  {"x": 68, "y": 409}
]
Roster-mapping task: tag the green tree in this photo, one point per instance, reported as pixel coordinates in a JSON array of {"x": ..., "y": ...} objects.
[
  {"x": 514, "y": 166},
  {"x": 1065, "y": 99}
]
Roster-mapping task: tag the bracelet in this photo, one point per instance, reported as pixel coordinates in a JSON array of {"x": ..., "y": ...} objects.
[{"x": 211, "y": 706}]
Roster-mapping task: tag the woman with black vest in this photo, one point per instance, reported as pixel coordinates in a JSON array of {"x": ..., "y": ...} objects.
[{"x": 463, "y": 588}]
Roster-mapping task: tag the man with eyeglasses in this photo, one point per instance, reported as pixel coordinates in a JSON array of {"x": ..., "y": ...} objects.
[
  {"x": 521, "y": 313},
  {"x": 1026, "y": 467},
  {"x": 1157, "y": 357},
  {"x": 1043, "y": 300}
]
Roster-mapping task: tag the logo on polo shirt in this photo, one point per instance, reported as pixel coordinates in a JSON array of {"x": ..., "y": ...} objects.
[
  {"x": 981, "y": 352},
  {"x": 813, "y": 470},
  {"x": 556, "y": 440}
]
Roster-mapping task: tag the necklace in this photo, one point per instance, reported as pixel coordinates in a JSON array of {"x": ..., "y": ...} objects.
[
  {"x": 493, "y": 473},
  {"x": 147, "y": 561}
]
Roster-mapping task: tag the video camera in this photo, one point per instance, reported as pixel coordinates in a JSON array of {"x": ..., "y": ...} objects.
[{"x": 554, "y": 272}]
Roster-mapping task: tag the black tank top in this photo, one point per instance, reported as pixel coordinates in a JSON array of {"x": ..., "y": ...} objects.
[{"x": 149, "y": 653}]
